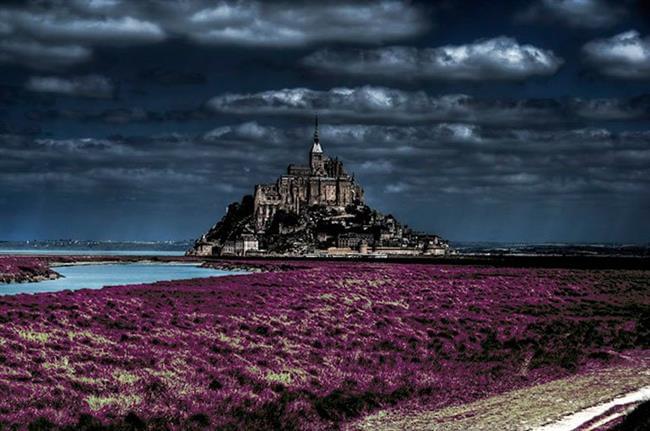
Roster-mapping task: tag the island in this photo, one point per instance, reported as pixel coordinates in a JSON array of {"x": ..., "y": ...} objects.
[{"x": 316, "y": 210}]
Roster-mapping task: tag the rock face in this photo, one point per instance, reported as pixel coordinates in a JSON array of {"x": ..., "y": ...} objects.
[{"x": 315, "y": 209}]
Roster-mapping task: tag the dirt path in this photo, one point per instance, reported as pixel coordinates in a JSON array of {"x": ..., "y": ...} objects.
[
  {"x": 578, "y": 419},
  {"x": 564, "y": 404}
]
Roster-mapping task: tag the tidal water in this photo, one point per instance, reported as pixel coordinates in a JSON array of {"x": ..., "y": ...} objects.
[{"x": 95, "y": 276}]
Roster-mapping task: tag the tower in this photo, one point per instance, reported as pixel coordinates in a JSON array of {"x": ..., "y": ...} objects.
[{"x": 316, "y": 156}]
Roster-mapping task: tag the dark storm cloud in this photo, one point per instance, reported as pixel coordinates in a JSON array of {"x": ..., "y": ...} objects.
[
  {"x": 634, "y": 108},
  {"x": 500, "y": 58},
  {"x": 54, "y": 34},
  {"x": 373, "y": 102},
  {"x": 575, "y": 13},
  {"x": 373, "y": 105},
  {"x": 451, "y": 158},
  {"x": 118, "y": 165},
  {"x": 625, "y": 56},
  {"x": 370, "y": 103},
  {"x": 460, "y": 159},
  {"x": 93, "y": 86},
  {"x": 65, "y": 26},
  {"x": 278, "y": 24}
]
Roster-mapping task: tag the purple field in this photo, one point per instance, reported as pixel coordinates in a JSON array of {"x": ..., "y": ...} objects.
[
  {"x": 23, "y": 268},
  {"x": 311, "y": 346}
]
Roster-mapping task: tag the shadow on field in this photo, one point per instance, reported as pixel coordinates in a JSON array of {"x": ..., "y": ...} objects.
[{"x": 638, "y": 420}]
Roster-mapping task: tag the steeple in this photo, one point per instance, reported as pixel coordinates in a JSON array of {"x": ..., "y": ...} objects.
[{"x": 316, "y": 148}]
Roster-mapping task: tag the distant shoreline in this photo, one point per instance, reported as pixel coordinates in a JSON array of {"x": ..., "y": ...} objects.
[
  {"x": 540, "y": 261},
  {"x": 35, "y": 267}
]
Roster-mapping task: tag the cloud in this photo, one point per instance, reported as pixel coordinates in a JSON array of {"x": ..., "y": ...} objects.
[
  {"x": 377, "y": 166},
  {"x": 370, "y": 104},
  {"x": 500, "y": 58},
  {"x": 250, "y": 132},
  {"x": 93, "y": 86},
  {"x": 121, "y": 165},
  {"x": 626, "y": 55},
  {"x": 66, "y": 27},
  {"x": 634, "y": 108},
  {"x": 399, "y": 187},
  {"x": 588, "y": 14},
  {"x": 38, "y": 55},
  {"x": 374, "y": 103},
  {"x": 299, "y": 24},
  {"x": 452, "y": 159},
  {"x": 53, "y": 34}
]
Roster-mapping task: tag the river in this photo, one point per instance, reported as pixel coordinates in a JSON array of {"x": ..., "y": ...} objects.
[{"x": 96, "y": 276}]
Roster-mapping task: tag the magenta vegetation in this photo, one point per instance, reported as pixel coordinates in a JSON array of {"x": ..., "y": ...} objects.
[
  {"x": 310, "y": 347},
  {"x": 21, "y": 268}
]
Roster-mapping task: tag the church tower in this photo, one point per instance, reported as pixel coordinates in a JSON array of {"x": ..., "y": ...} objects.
[{"x": 316, "y": 156}]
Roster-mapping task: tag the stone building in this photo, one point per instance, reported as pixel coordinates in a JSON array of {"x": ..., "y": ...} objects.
[
  {"x": 240, "y": 246},
  {"x": 323, "y": 182},
  {"x": 354, "y": 240}
]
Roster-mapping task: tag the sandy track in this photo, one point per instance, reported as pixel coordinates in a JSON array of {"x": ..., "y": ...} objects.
[
  {"x": 578, "y": 419},
  {"x": 565, "y": 404}
]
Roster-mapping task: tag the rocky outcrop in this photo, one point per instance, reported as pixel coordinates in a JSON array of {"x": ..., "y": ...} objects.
[{"x": 317, "y": 228}]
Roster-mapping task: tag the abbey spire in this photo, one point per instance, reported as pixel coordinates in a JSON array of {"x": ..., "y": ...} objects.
[{"x": 316, "y": 148}]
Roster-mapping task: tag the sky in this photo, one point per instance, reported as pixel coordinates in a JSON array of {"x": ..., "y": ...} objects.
[{"x": 511, "y": 121}]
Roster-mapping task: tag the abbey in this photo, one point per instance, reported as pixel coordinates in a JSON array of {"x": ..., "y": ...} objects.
[{"x": 324, "y": 182}]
